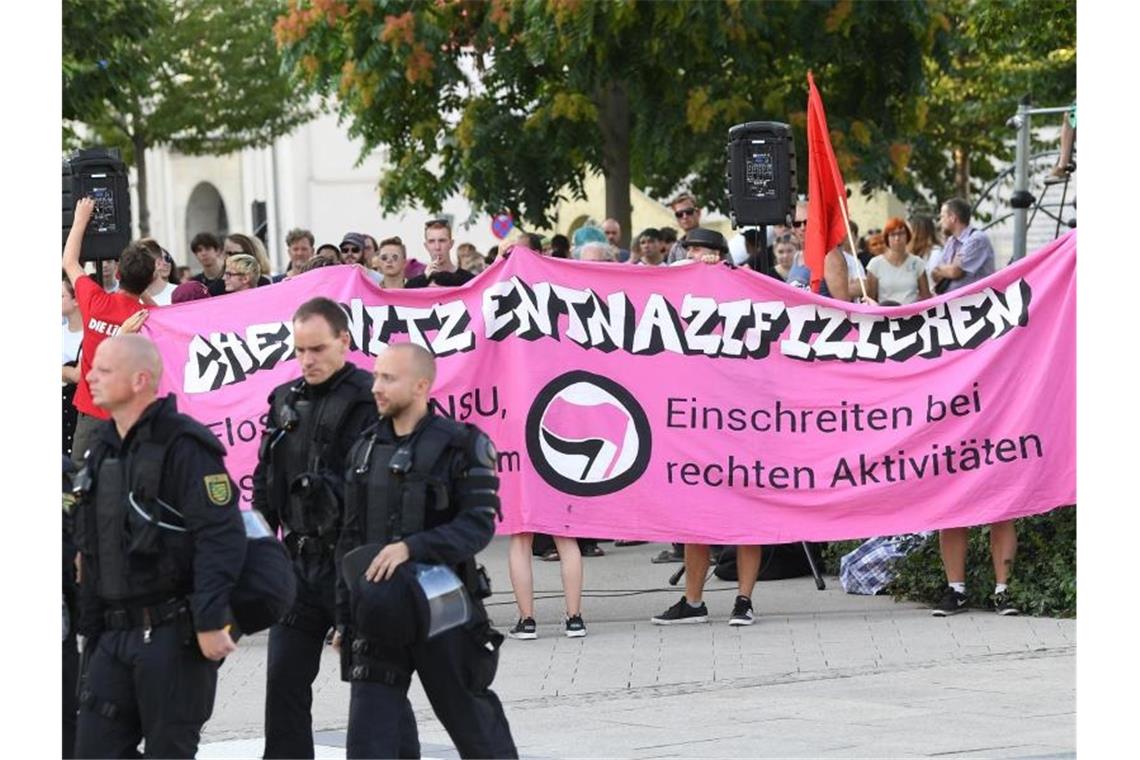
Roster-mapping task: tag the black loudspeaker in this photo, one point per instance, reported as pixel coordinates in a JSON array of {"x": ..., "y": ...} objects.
[
  {"x": 761, "y": 174},
  {"x": 101, "y": 174}
]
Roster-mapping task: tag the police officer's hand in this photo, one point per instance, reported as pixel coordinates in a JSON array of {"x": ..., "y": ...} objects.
[
  {"x": 216, "y": 644},
  {"x": 386, "y": 562}
]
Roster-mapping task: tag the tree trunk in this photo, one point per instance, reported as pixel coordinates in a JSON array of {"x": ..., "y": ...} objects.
[
  {"x": 140, "y": 166},
  {"x": 962, "y": 172},
  {"x": 614, "y": 122}
]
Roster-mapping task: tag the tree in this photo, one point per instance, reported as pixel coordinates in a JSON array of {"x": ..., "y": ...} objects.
[
  {"x": 199, "y": 76},
  {"x": 996, "y": 52},
  {"x": 509, "y": 101}
]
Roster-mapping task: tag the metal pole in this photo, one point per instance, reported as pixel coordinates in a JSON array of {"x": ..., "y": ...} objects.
[{"x": 1021, "y": 180}]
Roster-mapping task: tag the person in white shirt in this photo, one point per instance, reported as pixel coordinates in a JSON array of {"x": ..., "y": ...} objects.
[{"x": 901, "y": 276}]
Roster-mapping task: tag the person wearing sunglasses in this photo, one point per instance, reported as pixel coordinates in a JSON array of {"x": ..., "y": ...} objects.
[
  {"x": 688, "y": 215},
  {"x": 165, "y": 280},
  {"x": 390, "y": 261},
  {"x": 352, "y": 248}
]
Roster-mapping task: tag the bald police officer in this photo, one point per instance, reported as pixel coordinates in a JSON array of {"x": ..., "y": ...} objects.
[
  {"x": 423, "y": 487},
  {"x": 162, "y": 545}
]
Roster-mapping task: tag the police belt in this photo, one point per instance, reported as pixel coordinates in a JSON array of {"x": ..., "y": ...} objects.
[
  {"x": 307, "y": 545},
  {"x": 149, "y": 616}
]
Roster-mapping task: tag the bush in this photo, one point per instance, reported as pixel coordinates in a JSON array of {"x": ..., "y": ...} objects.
[{"x": 1044, "y": 578}]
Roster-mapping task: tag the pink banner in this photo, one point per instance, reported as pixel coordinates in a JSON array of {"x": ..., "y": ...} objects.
[{"x": 695, "y": 403}]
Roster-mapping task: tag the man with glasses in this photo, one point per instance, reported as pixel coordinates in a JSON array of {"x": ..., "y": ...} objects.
[
  {"x": 441, "y": 271},
  {"x": 688, "y": 216},
  {"x": 352, "y": 248},
  {"x": 799, "y": 226}
]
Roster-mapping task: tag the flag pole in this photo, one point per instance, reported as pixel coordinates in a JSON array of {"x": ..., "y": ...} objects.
[{"x": 851, "y": 238}]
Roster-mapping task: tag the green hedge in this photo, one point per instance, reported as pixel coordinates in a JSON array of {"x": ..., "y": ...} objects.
[{"x": 1044, "y": 579}]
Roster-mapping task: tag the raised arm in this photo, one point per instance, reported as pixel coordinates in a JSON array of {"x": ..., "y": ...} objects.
[{"x": 84, "y": 207}]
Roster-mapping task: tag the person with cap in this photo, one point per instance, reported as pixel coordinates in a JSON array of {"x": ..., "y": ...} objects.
[
  {"x": 422, "y": 490},
  {"x": 440, "y": 271},
  {"x": 191, "y": 290},
  {"x": 298, "y": 486},
  {"x": 352, "y": 248},
  {"x": 709, "y": 247},
  {"x": 705, "y": 246},
  {"x": 162, "y": 546}
]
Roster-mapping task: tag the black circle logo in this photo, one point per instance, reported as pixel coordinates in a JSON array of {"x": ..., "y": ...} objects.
[{"x": 587, "y": 435}]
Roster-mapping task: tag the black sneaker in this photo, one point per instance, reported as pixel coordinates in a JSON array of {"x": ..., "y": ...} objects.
[
  {"x": 741, "y": 612},
  {"x": 524, "y": 629},
  {"x": 575, "y": 628},
  {"x": 951, "y": 603},
  {"x": 681, "y": 612},
  {"x": 1003, "y": 606}
]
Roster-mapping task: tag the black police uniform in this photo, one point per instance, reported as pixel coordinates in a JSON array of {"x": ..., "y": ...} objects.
[
  {"x": 435, "y": 490},
  {"x": 70, "y": 614},
  {"x": 162, "y": 545},
  {"x": 298, "y": 485}
]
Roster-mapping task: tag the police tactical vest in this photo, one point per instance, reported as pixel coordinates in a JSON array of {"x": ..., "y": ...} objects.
[
  {"x": 398, "y": 502},
  {"x": 297, "y": 463},
  {"x": 140, "y": 542}
]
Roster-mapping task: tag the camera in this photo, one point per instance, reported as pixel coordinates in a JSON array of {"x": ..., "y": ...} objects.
[{"x": 401, "y": 461}]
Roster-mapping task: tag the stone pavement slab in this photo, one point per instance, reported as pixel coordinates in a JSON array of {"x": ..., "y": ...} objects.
[{"x": 820, "y": 674}]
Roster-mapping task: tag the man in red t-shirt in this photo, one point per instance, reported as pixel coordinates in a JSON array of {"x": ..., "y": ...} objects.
[{"x": 103, "y": 313}]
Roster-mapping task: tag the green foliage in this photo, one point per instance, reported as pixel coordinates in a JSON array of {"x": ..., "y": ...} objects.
[
  {"x": 1044, "y": 578},
  {"x": 995, "y": 52},
  {"x": 512, "y": 100},
  {"x": 200, "y": 76}
]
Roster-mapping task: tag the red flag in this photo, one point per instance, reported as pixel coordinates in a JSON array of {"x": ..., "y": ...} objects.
[{"x": 827, "y": 195}]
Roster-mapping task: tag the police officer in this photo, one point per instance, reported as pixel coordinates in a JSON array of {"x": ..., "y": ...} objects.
[
  {"x": 298, "y": 486},
  {"x": 162, "y": 544},
  {"x": 424, "y": 487}
]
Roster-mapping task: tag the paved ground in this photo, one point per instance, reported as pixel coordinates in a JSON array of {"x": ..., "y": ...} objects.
[{"x": 820, "y": 674}]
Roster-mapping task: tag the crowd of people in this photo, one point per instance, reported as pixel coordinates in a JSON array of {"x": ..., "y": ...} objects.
[{"x": 110, "y": 377}]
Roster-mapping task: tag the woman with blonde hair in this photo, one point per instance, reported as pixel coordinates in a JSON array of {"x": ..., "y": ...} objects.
[{"x": 250, "y": 246}]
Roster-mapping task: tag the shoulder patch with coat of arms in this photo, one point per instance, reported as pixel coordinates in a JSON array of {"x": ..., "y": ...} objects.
[{"x": 218, "y": 489}]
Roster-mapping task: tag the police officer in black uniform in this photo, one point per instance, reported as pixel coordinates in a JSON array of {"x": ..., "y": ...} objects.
[
  {"x": 162, "y": 544},
  {"x": 425, "y": 488},
  {"x": 298, "y": 486}
]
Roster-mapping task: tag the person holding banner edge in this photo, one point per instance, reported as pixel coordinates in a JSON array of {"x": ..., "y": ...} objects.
[
  {"x": 298, "y": 486},
  {"x": 709, "y": 247}
]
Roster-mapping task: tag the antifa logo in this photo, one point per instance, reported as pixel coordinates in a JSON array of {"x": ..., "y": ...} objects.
[{"x": 587, "y": 435}]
